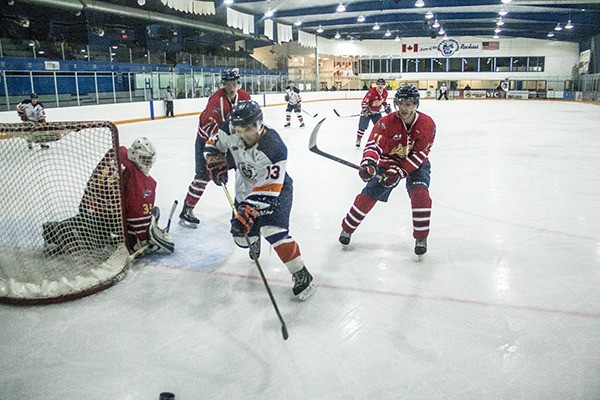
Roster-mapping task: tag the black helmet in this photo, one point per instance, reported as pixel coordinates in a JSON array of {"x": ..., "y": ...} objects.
[
  {"x": 407, "y": 92},
  {"x": 33, "y": 96},
  {"x": 381, "y": 81},
  {"x": 246, "y": 112},
  {"x": 230, "y": 74}
]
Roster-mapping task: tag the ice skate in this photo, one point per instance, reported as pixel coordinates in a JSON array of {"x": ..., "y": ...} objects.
[
  {"x": 420, "y": 247},
  {"x": 287, "y": 125},
  {"x": 44, "y": 146},
  {"x": 345, "y": 237},
  {"x": 187, "y": 218},
  {"x": 303, "y": 286},
  {"x": 302, "y": 125},
  {"x": 357, "y": 143},
  {"x": 254, "y": 247}
]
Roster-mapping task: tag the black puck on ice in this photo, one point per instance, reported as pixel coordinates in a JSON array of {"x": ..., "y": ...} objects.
[{"x": 167, "y": 396}]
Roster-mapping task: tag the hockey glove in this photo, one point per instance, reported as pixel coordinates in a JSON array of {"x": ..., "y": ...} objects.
[
  {"x": 217, "y": 168},
  {"x": 393, "y": 176},
  {"x": 367, "y": 171},
  {"x": 242, "y": 221},
  {"x": 388, "y": 109},
  {"x": 365, "y": 112}
]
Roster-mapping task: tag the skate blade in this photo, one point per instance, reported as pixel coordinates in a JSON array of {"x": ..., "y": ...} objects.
[
  {"x": 420, "y": 257},
  {"x": 187, "y": 224},
  {"x": 306, "y": 293}
]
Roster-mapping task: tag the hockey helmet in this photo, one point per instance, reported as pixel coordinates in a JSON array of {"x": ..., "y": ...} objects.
[
  {"x": 33, "y": 96},
  {"x": 407, "y": 92},
  {"x": 380, "y": 81},
  {"x": 246, "y": 112},
  {"x": 142, "y": 154},
  {"x": 230, "y": 74}
]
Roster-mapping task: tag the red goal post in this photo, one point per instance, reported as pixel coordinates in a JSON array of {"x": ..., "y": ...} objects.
[{"x": 61, "y": 211}]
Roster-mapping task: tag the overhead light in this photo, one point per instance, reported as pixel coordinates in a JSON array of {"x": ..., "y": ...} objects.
[
  {"x": 361, "y": 18},
  {"x": 23, "y": 21},
  {"x": 441, "y": 31},
  {"x": 497, "y": 30},
  {"x": 419, "y": 3},
  {"x": 228, "y": 2},
  {"x": 506, "y": 1},
  {"x": 569, "y": 25},
  {"x": 397, "y": 39},
  {"x": 503, "y": 12},
  {"x": 429, "y": 15},
  {"x": 500, "y": 22},
  {"x": 298, "y": 23},
  {"x": 388, "y": 33},
  {"x": 376, "y": 27},
  {"x": 11, "y": 2},
  {"x": 351, "y": 40},
  {"x": 550, "y": 34},
  {"x": 320, "y": 29},
  {"x": 340, "y": 7},
  {"x": 269, "y": 13},
  {"x": 337, "y": 35},
  {"x": 436, "y": 24},
  {"x": 141, "y": 2},
  {"x": 558, "y": 27},
  {"x": 495, "y": 36}
]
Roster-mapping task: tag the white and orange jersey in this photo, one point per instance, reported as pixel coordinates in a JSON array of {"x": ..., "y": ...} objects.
[{"x": 260, "y": 170}]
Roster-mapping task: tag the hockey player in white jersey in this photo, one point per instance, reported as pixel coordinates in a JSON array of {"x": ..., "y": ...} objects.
[
  {"x": 32, "y": 110},
  {"x": 292, "y": 96},
  {"x": 263, "y": 189}
]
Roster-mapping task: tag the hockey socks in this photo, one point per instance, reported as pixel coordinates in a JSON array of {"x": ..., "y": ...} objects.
[
  {"x": 194, "y": 193},
  {"x": 421, "y": 212},
  {"x": 359, "y": 210}
]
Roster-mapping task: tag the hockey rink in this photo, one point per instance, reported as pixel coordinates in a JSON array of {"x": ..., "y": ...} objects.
[{"x": 505, "y": 304}]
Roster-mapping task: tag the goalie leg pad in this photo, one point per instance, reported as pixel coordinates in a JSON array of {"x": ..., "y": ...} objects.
[{"x": 160, "y": 238}]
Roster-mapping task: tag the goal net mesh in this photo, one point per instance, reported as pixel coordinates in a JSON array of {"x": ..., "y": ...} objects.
[{"x": 61, "y": 220}]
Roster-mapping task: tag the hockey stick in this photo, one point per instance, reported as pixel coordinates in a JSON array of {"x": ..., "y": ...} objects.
[
  {"x": 284, "y": 331},
  {"x": 312, "y": 146},
  {"x": 345, "y": 116},
  {"x": 304, "y": 111},
  {"x": 171, "y": 215}
]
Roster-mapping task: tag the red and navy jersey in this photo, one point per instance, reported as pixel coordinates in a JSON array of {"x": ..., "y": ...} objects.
[
  {"x": 391, "y": 142},
  {"x": 217, "y": 110},
  {"x": 373, "y": 100},
  {"x": 138, "y": 199}
]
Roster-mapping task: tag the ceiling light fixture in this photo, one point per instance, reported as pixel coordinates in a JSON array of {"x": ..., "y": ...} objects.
[
  {"x": 320, "y": 29},
  {"x": 558, "y": 27},
  {"x": 436, "y": 24},
  {"x": 550, "y": 34},
  {"x": 228, "y": 2},
  {"x": 269, "y": 13},
  {"x": 497, "y": 30},
  {"x": 397, "y": 39},
  {"x": 388, "y": 33},
  {"x": 298, "y": 23},
  {"x": 141, "y": 2},
  {"x": 340, "y": 7},
  {"x": 376, "y": 27},
  {"x": 500, "y": 22},
  {"x": 569, "y": 25},
  {"x": 503, "y": 12},
  {"x": 429, "y": 15},
  {"x": 441, "y": 31},
  {"x": 506, "y": 1},
  {"x": 419, "y": 3},
  {"x": 337, "y": 35},
  {"x": 495, "y": 36},
  {"x": 361, "y": 18}
]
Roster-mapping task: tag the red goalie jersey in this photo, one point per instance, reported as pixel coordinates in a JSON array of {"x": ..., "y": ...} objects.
[{"x": 392, "y": 143}]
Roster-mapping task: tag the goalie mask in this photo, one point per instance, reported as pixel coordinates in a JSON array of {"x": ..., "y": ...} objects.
[{"x": 142, "y": 154}]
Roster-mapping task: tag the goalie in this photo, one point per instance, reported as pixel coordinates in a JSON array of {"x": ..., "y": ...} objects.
[{"x": 98, "y": 220}]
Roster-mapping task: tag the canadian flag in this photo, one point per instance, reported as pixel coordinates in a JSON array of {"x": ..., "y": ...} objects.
[{"x": 408, "y": 47}]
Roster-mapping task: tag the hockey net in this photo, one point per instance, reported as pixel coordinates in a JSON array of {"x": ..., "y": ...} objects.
[{"x": 61, "y": 219}]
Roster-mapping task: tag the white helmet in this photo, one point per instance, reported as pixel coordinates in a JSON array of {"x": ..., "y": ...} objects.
[{"x": 142, "y": 154}]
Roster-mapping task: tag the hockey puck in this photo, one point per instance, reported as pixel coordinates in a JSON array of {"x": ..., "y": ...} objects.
[{"x": 167, "y": 396}]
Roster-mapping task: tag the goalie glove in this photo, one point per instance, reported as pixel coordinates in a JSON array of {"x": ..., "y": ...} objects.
[
  {"x": 217, "y": 168},
  {"x": 158, "y": 237},
  {"x": 243, "y": 220},
  {"x": 367, "y": 171},
  {"x": 392, "y": 176}
]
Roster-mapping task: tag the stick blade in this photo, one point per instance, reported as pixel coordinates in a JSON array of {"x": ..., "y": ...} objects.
[
  {"x": 284, "y": 332},
  {"x": 312, "y": 142},
  {"x": 336, "y": 113}
]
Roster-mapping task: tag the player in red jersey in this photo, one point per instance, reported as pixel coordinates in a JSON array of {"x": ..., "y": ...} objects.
[
  {"x": 371, "y": 108},
  {"x": 217, "y": 110},
  {"x": 94, "y": 226},
  {"x": 398, "y": 148}
]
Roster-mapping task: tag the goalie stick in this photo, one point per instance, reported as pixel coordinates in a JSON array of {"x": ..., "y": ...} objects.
[
  {"x": 143, "y": 249},
  {"x": 284, "y": 330},
  {"x": 304, "y": 111},
  {"x": 171, "y": 215},
  {"x": 345, "y": 116}
]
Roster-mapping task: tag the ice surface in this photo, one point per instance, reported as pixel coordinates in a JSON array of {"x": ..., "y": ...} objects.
[{"x": 505, "y": 304}]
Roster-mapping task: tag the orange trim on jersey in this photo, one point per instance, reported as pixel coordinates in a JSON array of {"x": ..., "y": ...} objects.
[
  {"x": 288, "y": 251},
  {"x": 273, "y": 187}
]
